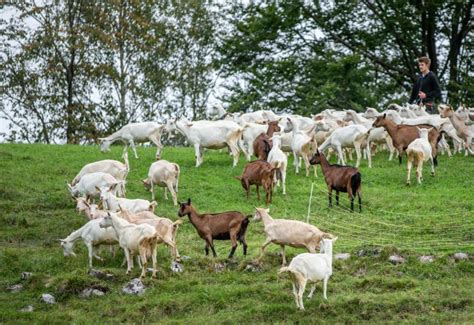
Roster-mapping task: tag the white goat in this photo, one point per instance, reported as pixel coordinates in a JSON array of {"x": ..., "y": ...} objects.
[
  {"x": 261, "y": 116},
  {"x": 250, "y": 132},
  {"x": 90, "y": 210},
  {"x": 111, "y": 202},
  {"x": 278, "y": 159},
  {"x": 92, "y": 235},
  {"x": 216, "y": 112},
  {"x": 465, "y": 132},
  {"x": 349, "y": 136},
  {"x": 89, "y": 184},
  {"x": 313, "y": 268},
  {"x": 164, "y": 174},
  {"x": 209, "y": 134},
  {"x": 134, "y": 239},
  {"x": 135, "y": 133},
  {"x": 419, "y": 151},
  {"x": 289, "y": 232},
  {"x": 300, "y": 144}
]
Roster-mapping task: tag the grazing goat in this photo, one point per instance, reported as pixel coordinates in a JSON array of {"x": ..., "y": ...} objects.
[
  {"x": 134, "y": 239},
  {"x": 263, "y": 143},
  {"x": 279, "y": 161},
  {"x": 90, "y": 183},
  {"x": 403, "y": 135},
  {"x": 339, "y": 178},
  {"x": 111, "y": 202},
  {"x": 209, "y": 134},
  {"x": 258, "y": 173},
  {"x": 166, "y": 228},
  {"x": 289, "y": 232},
  {"x": 419, "y": 151},
  {"x": 135, "y": 133},
  {"x": 219, "y": 226},
  {"x": 92, "y": 235},
  {"x": 313, "y": 268},
  {"x": 164, "y": 174},
  {"x": 112, "y": 167}
]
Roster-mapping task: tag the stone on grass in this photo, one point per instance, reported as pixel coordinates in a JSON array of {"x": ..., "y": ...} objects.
[
  {"x": 100, "y": 274},
  {"x": 252, "y": 268},
  {"x": 396, "y": 259},
  {"x": 342, "y": 256},
  {"x": 134, "y": 287},
  {"x": 219, "y": 267},
  {"x": 176, "y": 267},
  {"x": 48, "y": 298},
  {"x": 460, "y": 256},
  {"x": 88, "y": 292},
  {"x": 26, "y": 275},
  {"x": 15, "y": 288},
  {"x": 27, "y": 309},
  {"x": 426, "y": 259}
]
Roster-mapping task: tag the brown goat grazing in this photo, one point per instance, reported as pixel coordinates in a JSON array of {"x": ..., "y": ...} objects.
[
  {"x": 340, "y": 178},
  {"x": 262, "y": 144},
  {"x": 402, "y": 135},
  {"x": 259, "y": 173},
  {"x": 220, "y": 226}
]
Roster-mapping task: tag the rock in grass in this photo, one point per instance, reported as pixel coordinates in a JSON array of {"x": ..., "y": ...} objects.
[
  {"x": 48, "y": 298},
  {"x": 342, "y": 256},
  {"x": 219, "y": 267},
  {"x": 426, "y": 259},
  {"x": 252, "y": 268},
  {"x": 88, "y": 292},
  {"x": 460, "y": 256},
  {"x": 27, "y": 309},
  {"x": 396, "y": 259},
  {"x": 176, "y": 267},
  {"x": 134, "y": 287},
  {"x": 100, "y": 274},
  {"x": 15, "y": 288},
  {"x": 26, "y": 275}
]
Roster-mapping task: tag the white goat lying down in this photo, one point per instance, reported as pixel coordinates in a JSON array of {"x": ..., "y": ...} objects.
[
  {"x": 135, "y": 133},
  {"x": 419, "y": 151},
  {"x": 111, "y": 202},
  {"x": 289, "y": 232},
  {"x": 134, "y": 239},
  {"x": 310, "y": 267},
  {"x": 90, "y": 183},
  {"x": 164, "y": 174},
  {"x": 92, "y": 235},
  {"x": 209, "y": 134}
]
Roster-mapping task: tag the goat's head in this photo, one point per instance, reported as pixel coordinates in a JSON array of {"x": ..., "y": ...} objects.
[
  {"x": 105, "y": 144},
  {"x": 445, "y": 110},
  {"x": 67, "y": 247},
  {"x": 317, "y": 157},
  {"x": 185, "y": 208},
  {"x": 258, "y": 213},
  {"x": 380, "y": 121},
  {"x": 81, "y": 204},
  {"x": 289, "y": 125},
  {"x": 72, "y": 190},
  {"x": 273, "y": 125},
  {"x": 106, "y": 221},
  {"x": 147, "y": 184},
  {"x": 326, "y": 245}
]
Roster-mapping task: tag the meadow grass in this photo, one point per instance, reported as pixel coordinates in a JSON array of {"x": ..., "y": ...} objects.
[{"x": 435, "y": 218}]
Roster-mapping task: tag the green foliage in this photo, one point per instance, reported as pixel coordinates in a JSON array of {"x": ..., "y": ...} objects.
[{"x": 434, "y": 218}]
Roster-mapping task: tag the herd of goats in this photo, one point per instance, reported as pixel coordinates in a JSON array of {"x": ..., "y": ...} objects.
[{"x": 133, "y": 225}]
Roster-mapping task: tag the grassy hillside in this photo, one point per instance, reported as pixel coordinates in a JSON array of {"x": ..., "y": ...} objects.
[{"x": 435, "y": 218}]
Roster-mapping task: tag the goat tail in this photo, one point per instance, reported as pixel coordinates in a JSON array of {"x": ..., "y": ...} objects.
[
  {"x": 152, "y": 206},
  {"x": 356, "y": 181},
  {"x": 243, "y": 228},
  {"x": 295, "y": 274},
  {"x": 238, "y": 177},
  {"x": 177, "y": 223}
]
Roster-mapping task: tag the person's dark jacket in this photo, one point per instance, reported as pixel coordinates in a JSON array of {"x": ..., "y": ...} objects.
[{"x": 429, "y": 85}]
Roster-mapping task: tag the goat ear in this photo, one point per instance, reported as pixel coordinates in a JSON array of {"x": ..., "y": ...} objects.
[
  {"x": 384, "y": 115},
  {"x": 189, "y": 201},
  {"x": 113, "y": 186},
  {"x": 97, "y": 188}
]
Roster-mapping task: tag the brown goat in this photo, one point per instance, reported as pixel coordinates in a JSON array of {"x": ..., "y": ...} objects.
[
  {"x": 220, "y": 226},
  {"x": 262, "y": 144},
  {"x": 402, "y": 135},
  {"x": 259, "y": 173},
  {"x": 339, "y": 178}
]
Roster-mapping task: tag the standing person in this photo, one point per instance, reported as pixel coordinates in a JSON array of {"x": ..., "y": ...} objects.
[{"x": 426, "y": 89}]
